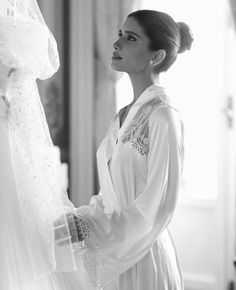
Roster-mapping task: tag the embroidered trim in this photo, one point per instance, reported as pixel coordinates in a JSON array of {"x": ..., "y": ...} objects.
[
  {"x": 88, "y": 248},
  {"x": 82, "y": 227},
  {"x": 137, "y": 132}
]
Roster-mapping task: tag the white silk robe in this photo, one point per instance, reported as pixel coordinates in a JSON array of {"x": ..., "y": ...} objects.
[{"x": 128, "y": 244}]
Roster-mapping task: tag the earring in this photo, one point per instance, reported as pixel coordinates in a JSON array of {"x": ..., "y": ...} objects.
[{"x": 151, "y": 62}]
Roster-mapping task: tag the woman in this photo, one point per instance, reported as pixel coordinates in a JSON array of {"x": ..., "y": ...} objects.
[{"x": 126, "y": 241}]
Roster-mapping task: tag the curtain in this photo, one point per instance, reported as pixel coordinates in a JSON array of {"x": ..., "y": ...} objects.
[
  {"x": 233, "y": 9},
  {"x": 52, "y": 91},
  {"x": 109, "y": 16}
]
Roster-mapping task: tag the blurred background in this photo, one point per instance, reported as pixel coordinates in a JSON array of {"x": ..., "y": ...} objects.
[{"x": 82, "y": 97}]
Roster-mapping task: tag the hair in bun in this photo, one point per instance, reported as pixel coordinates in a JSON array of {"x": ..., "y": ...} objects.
[
  {"x": 164, "y": 33},
  {"x": 186, "y": 37}
]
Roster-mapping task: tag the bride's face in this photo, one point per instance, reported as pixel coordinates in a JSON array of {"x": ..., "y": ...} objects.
[{"x": 131, "y": 53}]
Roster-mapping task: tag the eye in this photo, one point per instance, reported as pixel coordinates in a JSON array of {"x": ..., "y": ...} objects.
[
  {"x": 131, "y": 38},
  {"x": 119, "y": 33}
]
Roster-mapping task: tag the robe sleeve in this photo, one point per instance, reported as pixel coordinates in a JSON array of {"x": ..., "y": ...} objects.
[{"x": 119, "y": 240}]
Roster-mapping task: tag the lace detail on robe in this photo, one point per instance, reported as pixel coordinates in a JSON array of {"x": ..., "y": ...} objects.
[
  {"x": 137, "y": 131},
  {"x": 88, "y": 249},
  {"x": 82, "y": 227}
]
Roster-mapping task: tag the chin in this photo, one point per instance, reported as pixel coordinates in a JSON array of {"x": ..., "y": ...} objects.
[{"x": 115, "y": 67}]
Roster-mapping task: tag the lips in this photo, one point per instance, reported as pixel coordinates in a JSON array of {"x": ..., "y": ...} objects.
[{"x": 116, "y": 56}]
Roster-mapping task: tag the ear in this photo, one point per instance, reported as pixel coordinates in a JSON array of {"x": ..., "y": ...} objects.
[{"x": 158, "y": 57}]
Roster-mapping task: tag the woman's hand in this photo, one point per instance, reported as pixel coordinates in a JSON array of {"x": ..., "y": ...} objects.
[{"x": 77, "y": 229}]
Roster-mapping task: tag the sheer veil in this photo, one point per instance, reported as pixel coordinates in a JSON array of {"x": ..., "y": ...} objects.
[{"x": 28, "y": 46}]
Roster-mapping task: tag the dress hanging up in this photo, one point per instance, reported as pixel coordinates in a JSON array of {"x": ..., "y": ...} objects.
[{"x": 31, "y": 195}]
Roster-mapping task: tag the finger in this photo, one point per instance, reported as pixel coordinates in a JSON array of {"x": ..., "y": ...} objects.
[
  {"x": 74, "y": 238},
  {"x": 58, "y": 222},
  {"x": 61, "y": 221},
  {"x": 60, "y": 233},
  {"x": 63, "y": 243}
]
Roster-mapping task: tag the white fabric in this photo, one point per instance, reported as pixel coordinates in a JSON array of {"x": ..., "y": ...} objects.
[
  {"x": 139, "y": 165},
  {"x": 15, "y": 263},
  {"x": 34, "y": 202},
  {"x": 129, "y": 245}
]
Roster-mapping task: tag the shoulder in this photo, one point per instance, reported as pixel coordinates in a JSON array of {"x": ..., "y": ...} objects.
[
  {"x": 168, "y": 118},
  {"x": 165, "y": 113}
]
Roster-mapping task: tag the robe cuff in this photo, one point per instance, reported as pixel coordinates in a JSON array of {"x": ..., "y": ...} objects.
[{"x": 88, "y": 249}]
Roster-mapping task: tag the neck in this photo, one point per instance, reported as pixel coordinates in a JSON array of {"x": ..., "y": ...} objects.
[{"x": 140, "y": 83}]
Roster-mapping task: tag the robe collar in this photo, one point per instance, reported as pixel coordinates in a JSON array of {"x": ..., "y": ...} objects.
[
  {"x": 153, "y": 91},
  {"x": 107, "y": 147}
]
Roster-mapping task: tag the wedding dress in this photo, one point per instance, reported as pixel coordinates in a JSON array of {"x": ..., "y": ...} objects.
[{"x": 33, "y": 201}]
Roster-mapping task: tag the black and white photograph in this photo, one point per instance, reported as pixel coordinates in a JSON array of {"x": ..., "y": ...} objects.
[{"x": 117, "y": 145}]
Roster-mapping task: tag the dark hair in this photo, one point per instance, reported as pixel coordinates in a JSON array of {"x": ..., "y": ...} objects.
[{"x": 164, "y": 33}]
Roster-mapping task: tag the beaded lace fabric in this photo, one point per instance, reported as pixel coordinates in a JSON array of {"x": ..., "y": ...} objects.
[{"x": 28, "y": 47}]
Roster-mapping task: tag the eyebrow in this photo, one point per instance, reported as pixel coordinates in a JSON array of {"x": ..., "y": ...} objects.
[{"x": 131, "y": 32}]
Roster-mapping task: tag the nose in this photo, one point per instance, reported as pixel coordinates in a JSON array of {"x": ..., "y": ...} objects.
[{"x": 116, "y": 44}]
